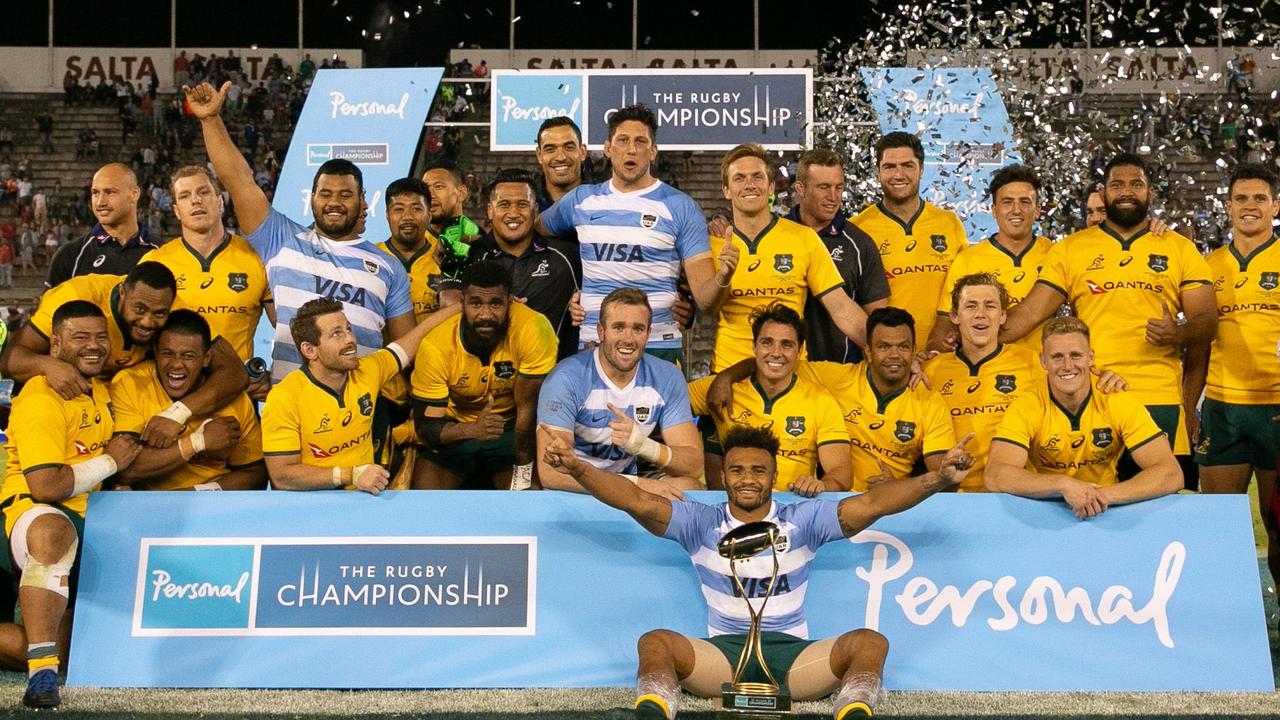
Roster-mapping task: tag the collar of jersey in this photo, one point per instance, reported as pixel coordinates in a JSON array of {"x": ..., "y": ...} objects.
[
  {"x": 882, "y": 402},
  {"x": 408, "y": 262},
  {"x": 1244, "y": 261},
  {"x": 975, "y": 367},
  {"x": 735, "y": 522},
  {"x": 1017, "y": 259},
  {"x": 833, "y": 228},
  {"x": 102, "y": 237},
  {"x": 595, "y": 359},
  {"x": 336, "y": 395},
  {"x": 1124, "y": 244},
  {"x": 754, "y": 243},
  {"x": 1073, "y": 417},
  {"x": 206, "y": 263},
  {"x": 768, "y": 401},
  {"x": 906, "y": 226},
  {"x": 642, "y": 191}
]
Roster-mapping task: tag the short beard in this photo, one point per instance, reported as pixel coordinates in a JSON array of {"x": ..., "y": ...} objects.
[
  {"x": 336, "y": 231},
  {"x": 765, "y": 498},
  {"x": 1127, "y": 218},
  {"x": 478, "y": 345}
]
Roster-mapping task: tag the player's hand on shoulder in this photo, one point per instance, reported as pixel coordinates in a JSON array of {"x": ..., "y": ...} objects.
[
  {"x": 807, "y": 486},
  {"x": 1108, "y": 381},
  {"x": 67, "y": 381}
]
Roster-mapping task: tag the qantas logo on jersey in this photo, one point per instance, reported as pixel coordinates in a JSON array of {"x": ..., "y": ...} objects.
[
  {"x": 238, "y": 282},
  {"x": 221, "y": 309},
  {"x": 341, "y": 291},
  {"x": 1158, "y": 263},
  {"x": 319, "y": 452},
  {"x": 82, "y": 449},
  {"x": 925, "y": 268},
  {"x": 1269, "y": 280},
  {"x": 316, "y": 451},
  {"x": 1227, "y": 309},
  {"x": 1103, "y": 288},
  {"x": 783, "y": 263},
  {"x": 1095, "y": 288},
  {"x": 763, "y": 292},
  {"x": 617, "y": 252},
  {"x": 980, "y": 409}
]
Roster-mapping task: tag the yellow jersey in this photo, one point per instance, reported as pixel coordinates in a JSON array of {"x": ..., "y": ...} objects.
[
  {"x": 228, "y": 289},
  {"x": 978, "y": 394},
  {"x": 1018, "y": 274},
  {"x": 47, "y": 431},
  {"x": 1084, "y": 445},
  {"x": 917, "y": 255},
  {"x": 304, "y": 417},
  {"x": 103, "y": 291},
  {"x": 1244, "y": 366},
  {"x": 137, "y": 396},
  {"x": 803, "y": 417},
  {"x": 786, "y": 263},
  {"x": 1116, "y": 285},
  {"x": 446, "y": 373},
  {"x": 900, "y": 428},
  {"x": 425, "y": 279}
]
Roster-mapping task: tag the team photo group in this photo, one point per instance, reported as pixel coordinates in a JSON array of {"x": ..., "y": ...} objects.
[{"x": 876, "y": 350}]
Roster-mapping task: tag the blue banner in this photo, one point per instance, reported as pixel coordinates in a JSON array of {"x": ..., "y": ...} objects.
[
  {"x": 961, "y": 120},
  {"x": 485, "y": 589},
  {"x": 696, "y": 109}
]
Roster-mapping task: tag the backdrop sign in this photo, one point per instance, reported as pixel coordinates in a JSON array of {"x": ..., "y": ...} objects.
[
  {"x": 696, "y": 109},
  {"x": 961, "y": 121},
  {"x": 459, "y": 589}
]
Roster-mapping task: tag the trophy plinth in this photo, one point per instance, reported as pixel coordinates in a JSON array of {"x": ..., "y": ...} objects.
[{"x": 739, "y": 699}]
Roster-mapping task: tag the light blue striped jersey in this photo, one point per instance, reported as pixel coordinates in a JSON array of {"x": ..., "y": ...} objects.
[
  {"x": 302, "y": 265},
  {"x": 577, "y": 394},
  {"x": 631, "y": 239},
  {"x": 804, "y": 527}
]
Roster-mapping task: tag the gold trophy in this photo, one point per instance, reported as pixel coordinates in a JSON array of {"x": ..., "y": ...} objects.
[{"x": 768, "y": 699}]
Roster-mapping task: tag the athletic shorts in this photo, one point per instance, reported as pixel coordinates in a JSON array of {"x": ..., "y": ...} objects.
[
  {"x": 1238, "y": 434},
  {"x": 483, "y": 458},
  {"x": 780, "y": 653}
]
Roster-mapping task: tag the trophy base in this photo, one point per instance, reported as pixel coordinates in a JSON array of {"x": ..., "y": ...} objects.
[{"x": 774, "y": 703}]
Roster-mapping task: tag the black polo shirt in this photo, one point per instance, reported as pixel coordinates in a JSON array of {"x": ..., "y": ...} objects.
[
  {"x": 858, "y": 261},
  {"x": 545, "y": 277},
  {"x": 97, "y": 254}
]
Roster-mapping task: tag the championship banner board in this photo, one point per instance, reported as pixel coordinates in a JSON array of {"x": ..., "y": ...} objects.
[
  {"x": 696, "y": 109},
  {"x": 961, "y": 120},
  {"x": 547, "y": 589}
]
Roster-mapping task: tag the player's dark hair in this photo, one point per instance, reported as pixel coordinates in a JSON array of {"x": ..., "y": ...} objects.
[
  {"x": 746, "y": 150},
  {"x": 338, "y": 166},
  {"x": 1125, "y": 160},
  {"x": 555, "y": 122},
  {"x": 1252, "y": 171},
  {"x": 776, "y": 312},
  {"x": 486, "y": 274},
  {"x": 408, "y": 186},
  {"x": 74, "y": 310},
  {"x": 153, "y": 275},
  {"x": 1012, "y": 174},
  {"x": 303, "y": 327},
  {"x": 188, "y": 322},
  {"x": 748, "y": 436},
  {"x": 899, "y": 139},
  {"x": 449, "y": 167},
  {"x": 890, "y": 317},
  {"x": 978, "y": 280},
  {"x": 511, "y": 175},
  {"x": 624, "y": 296},
  {"x": 639, "y": 113}
]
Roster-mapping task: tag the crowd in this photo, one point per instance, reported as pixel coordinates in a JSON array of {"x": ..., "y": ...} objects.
[{"x": 878, "y": 352}]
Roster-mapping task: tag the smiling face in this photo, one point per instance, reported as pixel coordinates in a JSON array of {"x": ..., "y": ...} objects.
[
  {"x": 113, "y": 196},
  {"x": 777, "y": 349},
  {"x": 749, "y": 474},
  {"x": 821, "y": 192},
  {"x": 624, "y": 330},
  {"x": 83, "y": 343},
  {"x": 1252, "y": 208},
  {"x": 144, "y": 310},
  {"x": 631, "y": 151},
  {"x": 1016, "y": 208},
  {"x": 979, "y": 316},
  {"x": 197, "y": 203},
  {"x": 1097, "y": 209},
  {"x": 1067, "y": 358},
  {"x": 511, "y": 212},
  {"x": 747, "y": 186},
  {"x": 336, "y": 351},
  {"x": 899, "y": 173},
  {"x": 561, "y": 154},
  {"x": 407, "y": 219},
  {"x": 1126, "y": 195},
  {"x": 336, "y": 205},
  {"x": 180, "y": 358}
]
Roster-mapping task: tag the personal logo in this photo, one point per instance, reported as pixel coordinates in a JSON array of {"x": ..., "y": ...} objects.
[
  {"x": 371, "y": 266},
  {"x": 904, "y": 431},
  {"x": 648, "y": 220},
  {"x": 317, "y": 451},
  {"x": 795, "y": 425},
  {"x": 642, "y": 414},
  {"x": 543, "y": 270},
  {"x": 1006, "y": 383},
  {"x": 1158, "y": 263},
  {"x": 365, "y": 403},
  {"x": 1077, "y": 442},
  {"x": 783, "y": 263},
  {"x": 1127, "y": 259},
  {"x": 206, "y": 283},
  {"x": 973, "y": 387},
  {"x": 1268, "y": 280},
  {"x": 238, "y": 282},
  {"x": 504, "y": 369},
  {"x": 1102, "y": 437},
  {"x": 346, "y": 419},
  {"x": 98, "y": 262},
  {"x": 938, "y": 243},
  {"x": 324, "y": 426},
  {"x": 837, "y": 254},
  {"x": 754, "y": 264},
  {"x": 1098, "y": 263}
]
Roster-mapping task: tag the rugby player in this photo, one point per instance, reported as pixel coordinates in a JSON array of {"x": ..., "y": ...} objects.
[
  {"x": 416, "y": 248},
  {"x": 560, "y": 153}
]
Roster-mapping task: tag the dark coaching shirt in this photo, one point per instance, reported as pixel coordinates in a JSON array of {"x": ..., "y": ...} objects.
[{"x": 97, "y": 254}]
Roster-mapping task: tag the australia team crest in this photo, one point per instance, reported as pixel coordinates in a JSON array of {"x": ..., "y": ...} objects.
[
  {"x": 904, "y": 431},
  {"x": 1006, "y": 383},
  {"x": 365, "y": 403},
  {"x": 238, "y": 282},
  {"x": 795, "y": 425},
  {"x": 1158, "y": 263},
  {"x": 1102, "y": 437},
  {"x": 1269, "y": 280},
  {"x": 784, "y": 263},
  {"x": 938, "y": 243},
  {"x": 504, "y": 369}
]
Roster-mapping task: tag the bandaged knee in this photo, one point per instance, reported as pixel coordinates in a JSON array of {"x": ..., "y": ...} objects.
[{"x": 53, "y": 576}]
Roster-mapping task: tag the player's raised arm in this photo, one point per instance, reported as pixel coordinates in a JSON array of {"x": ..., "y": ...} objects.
[
  {"x": 894, "y": 496},
  {"x": 252, "y": 206},
  {"x": 651, "y": 511}
]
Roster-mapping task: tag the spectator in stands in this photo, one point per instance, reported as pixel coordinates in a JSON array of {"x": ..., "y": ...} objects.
[
  {"x": 50, "y": 245},
  {"x": 40, "y": 207},
  {"x": 6, "y": 264},
  {"x": 307, "y": 67},
  {"x": 116, "y": 242},
  {"x": 6, "y": 137},
  {"x": 181, "y": 70},
  {"x": 27, "y": 250},
  {"x": 44, "y": 124}
]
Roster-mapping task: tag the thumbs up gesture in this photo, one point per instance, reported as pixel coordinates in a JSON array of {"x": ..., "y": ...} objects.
[
  {"x": 489, "y": 425},
  {"x": 1164, "y": 329}
]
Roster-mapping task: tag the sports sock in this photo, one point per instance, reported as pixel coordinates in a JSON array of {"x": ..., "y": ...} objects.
[{"x": 41, "y": 656}]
